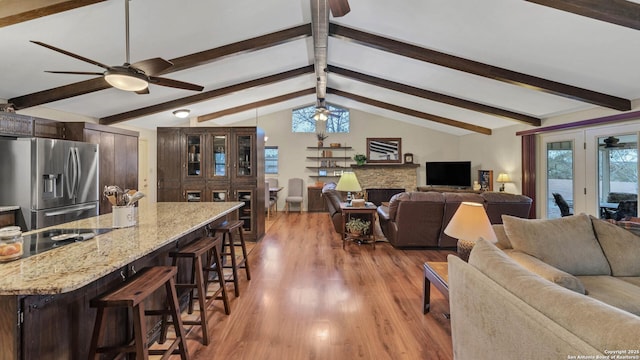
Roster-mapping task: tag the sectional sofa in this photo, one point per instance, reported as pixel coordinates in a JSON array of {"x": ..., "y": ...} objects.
[
  {"x": 565, "y": 288},
  {"x": 418, "y": 219}
]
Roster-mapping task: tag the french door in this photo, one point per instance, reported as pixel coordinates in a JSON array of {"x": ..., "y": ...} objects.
[{"x": 592, "y": 170}]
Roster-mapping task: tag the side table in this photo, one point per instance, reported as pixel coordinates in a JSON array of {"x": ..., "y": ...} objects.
[
  {"x": 369, "y": 210},
  {"x": 436, "y": 273}
]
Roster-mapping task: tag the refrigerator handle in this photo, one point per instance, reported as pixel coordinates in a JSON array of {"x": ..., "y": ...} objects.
[
  {"x": 78, "y": 171},
  {"x": 69, "y": 182},
  {"x": 67, "y": 211}
]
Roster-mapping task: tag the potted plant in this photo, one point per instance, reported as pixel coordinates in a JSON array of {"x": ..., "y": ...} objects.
[
  {"x": 321, "y": 136},
  {"x": 360, "y": 159},
  {"x": 357, "y": 226}
]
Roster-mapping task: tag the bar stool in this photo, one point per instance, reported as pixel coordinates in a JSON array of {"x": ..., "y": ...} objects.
[
  {"x": 227, "y": 228},
  {"x": 204, "y": 246},
  {"x": 132, "y": 296}
]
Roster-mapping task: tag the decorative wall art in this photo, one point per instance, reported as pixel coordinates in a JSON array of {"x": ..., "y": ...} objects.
[
  {"x": 384, "y": 150},
  {"x": 485, "y": 178}
]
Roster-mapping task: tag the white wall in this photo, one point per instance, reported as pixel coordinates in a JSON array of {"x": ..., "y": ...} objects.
[{"x": 425, "y": 144}]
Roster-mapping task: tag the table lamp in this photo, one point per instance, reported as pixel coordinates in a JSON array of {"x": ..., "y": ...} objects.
[
  {"x": 469, "y": 223},
  {"x": 503, "y": 178},
  {"x": 349, "y": 183}
]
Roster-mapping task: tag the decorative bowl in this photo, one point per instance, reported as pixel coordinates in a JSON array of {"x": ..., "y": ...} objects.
[{"x": 334, "y": 145}]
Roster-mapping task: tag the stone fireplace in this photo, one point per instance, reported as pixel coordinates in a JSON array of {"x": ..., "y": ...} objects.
[{"x": 387, "y": 177}]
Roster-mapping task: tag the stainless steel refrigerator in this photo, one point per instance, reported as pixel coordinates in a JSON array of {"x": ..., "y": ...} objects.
[{"x": 53, "y": 181}]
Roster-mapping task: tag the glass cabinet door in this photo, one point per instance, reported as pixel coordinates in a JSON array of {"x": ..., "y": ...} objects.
[
  {"x": 193, "y": 195},
  {"x": 245, "y": 213},
  {"x": 194, "y": 155},
  {"x": 220, "y": 159},
  {"x": 244, "y": 148},
  {"x": 219, "y": 195}
]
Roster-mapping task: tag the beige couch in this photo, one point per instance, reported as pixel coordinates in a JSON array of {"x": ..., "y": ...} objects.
[{"x": 550, "y": 289}]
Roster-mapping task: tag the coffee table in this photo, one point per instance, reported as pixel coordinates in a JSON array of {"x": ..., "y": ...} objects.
[{"x": 436, "y": 273}]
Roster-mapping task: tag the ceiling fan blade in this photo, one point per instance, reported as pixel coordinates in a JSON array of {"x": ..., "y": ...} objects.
[
  {"x": 174, "y": 83},
  {"x": 339, "y": 8},
  {"x": 153, "y": 66},
  {"x": 143, "y": 91},
  {"x": 71, "y": 54},
  {"x": 75, "y": 72}
]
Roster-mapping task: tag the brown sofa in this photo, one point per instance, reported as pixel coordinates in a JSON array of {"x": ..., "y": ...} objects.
[
  {"x": 332, "y": 198},
  {"x": 418, "y": 219}
]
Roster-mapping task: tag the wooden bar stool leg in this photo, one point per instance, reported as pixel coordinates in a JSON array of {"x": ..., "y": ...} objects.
[
  {"x": 98, "y": 333},
  {"x": 234, "y": 265},
  {"x": 202, "y": 299},
  {"x": 244, "y": 253},
  {"x": 140, "y": 332},
  {"x": 223, "y": 286},
  {"x": 174, "y": 308}
]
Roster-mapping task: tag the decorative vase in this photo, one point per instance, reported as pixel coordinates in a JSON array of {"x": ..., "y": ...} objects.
[
  {"x": 360, "y": 162},
  {"x": 320, "y": 143}
]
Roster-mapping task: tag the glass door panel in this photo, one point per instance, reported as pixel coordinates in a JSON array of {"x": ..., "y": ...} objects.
[
  {"x": 618, "y": 176},
  {"x": 219, "y": 195},
  {"x": 245, "y": 155},
  {"x": 560, "y": 175},
  {"x": 193, "y": 195},
  {"x": 220, "y": 155},
  {"x": 194, "y": 163}
]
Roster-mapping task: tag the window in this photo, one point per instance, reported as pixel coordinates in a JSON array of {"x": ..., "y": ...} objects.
[
  {"x": 270, "y": 159},
  {"x": 302, "y": 120}
]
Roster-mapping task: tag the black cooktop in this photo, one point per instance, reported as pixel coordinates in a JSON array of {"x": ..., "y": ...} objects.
[{"x": 54, "y": 238}]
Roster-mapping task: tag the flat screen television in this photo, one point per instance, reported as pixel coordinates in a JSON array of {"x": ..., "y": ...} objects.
[{"x": 449, "y": 173}]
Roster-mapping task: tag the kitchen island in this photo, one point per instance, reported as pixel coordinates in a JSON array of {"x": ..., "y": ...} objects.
[{"x": 44, "y": 299}]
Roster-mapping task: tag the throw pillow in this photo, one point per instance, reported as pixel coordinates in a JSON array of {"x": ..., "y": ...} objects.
[
  {"x": 568, "y": 243},
  {"x": 547, "y": 271},
  {"x": 621, "y": 247}
]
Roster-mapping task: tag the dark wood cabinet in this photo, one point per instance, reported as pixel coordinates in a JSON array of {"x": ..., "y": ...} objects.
[
  {"x": 118, "y": 155},
  {"x": 315, "y": 201},
  {"x": 214, "y": 164}
]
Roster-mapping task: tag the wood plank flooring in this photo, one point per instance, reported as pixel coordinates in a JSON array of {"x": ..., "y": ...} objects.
[{"x": 310, "y": 299}]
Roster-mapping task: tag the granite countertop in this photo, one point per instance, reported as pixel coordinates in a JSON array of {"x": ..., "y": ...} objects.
[
  {"x": 8, "y": 208},
  {"x": 75, "y": 265}
]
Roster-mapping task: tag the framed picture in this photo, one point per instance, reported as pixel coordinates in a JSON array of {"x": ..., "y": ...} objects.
[
  {"x": 485, "y": 178},
  {"x": 322, "y": 172},
  {"x": 337, "y": 173},
  {"x": 384, "y": 150}
]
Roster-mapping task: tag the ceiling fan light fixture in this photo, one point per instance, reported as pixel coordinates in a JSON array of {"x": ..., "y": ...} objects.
[
  {"x": 126, "y": 81},
  {"x": 181, "y": 113},
  {"x": 320, "y": 117}
]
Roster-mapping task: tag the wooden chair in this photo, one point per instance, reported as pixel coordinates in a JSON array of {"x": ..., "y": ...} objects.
[{"x": 294, "y": 193}]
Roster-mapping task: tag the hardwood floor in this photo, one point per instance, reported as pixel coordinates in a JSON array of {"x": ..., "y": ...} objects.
[{"x": 310, "y": 299}]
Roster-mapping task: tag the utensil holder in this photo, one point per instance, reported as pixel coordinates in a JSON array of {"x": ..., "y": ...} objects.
[{"x": 123, "y": 216}]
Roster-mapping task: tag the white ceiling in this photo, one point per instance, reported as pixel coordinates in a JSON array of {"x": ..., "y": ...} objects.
[{"x": 511, "y": 34}]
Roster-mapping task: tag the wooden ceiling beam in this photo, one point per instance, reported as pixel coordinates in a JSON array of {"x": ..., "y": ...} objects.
[
  {"x": 434, "y": 96},
  {"x": 411, "y": 112},
  {"x": 177, "y": 103},
  {"x": 16, "y": 11},
  {"x": 255, "y": 105},
  {"x": 181, "y": 63},
  {"x": 619, "y": 12},
  {"x": 339, "y": 8},
  {"x": 477, "y": 68}
]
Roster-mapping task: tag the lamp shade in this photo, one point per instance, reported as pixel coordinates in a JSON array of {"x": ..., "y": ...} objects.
[
  {"x": 470, "y": 222},
  {"x": 348, "y": 182},
  {"x": 502, "y": 178}
]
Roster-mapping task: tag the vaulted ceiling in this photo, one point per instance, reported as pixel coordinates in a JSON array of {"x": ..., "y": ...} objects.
[{"x": 457, "y": 66}]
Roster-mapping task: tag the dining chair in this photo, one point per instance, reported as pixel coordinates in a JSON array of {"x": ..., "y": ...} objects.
[
  {"x": 273, "y": 184},
  {"x": 269, "y": 202},
  {"x": 294, "y": 193}
]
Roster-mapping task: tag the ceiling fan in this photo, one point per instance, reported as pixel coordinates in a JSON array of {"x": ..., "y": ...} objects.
[
  {"x": 322, "y": 112},
  {"x": 129, "y": 77},
  {"x": 612, "y": 142}
]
